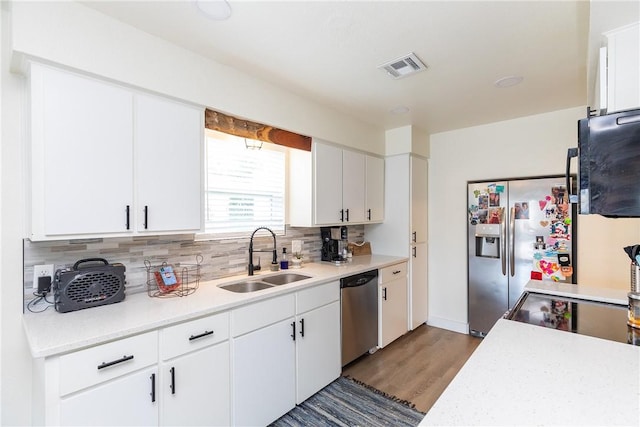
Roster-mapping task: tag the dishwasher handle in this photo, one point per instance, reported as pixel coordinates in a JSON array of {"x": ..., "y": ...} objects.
[{"x": 359, "y": 279}]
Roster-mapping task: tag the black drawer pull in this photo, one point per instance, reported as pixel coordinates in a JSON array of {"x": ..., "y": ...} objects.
[
  {"x": 115, "y": 362},
  {"x": 397, "y": 271},
  {"x": 384, "y": 294},
  {"x": 173, "y": 380},
  {"x": 127, "y": 214},
  {"x": 202, "y": 335},
  {"x": 153, "y": 387}
]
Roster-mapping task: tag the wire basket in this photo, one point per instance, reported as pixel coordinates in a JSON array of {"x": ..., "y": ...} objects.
[{"x": 173, "y": 280}]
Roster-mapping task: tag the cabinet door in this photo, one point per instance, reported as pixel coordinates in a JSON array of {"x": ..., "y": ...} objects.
[
  {"x": 168, "y": 140},
  {"x": 623, "y": 76},
  {"x": 318, "y": 349},
  {"x": 353, "y": 186},
  {"x": 419, "y": 187},
  {"x": 128, "y": 400},
  {"x": 264, "y": 374},
  {"x": 196, "y": 388},
  {"x": 419, "y": 303},
  {"x": 374, "y": 189},
  {"x": 393, "y": 300},
  {"x": 328, "y": 184},
  {"x": 82, "y": 132}
]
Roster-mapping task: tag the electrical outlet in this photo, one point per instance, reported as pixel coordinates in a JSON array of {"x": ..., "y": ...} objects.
[{"x": 41, "y": 271}]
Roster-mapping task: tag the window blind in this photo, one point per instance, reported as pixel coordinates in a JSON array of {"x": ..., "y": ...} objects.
[{"x": 244, "y": 189}]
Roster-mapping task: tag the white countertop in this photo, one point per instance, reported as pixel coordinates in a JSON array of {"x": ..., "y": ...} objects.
[
  {"x": 524, "y": 374},
  {"x": 50, "y": 332},
  {"x": 615, "y": 296}
]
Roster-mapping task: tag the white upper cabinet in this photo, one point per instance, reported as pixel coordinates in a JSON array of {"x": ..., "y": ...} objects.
[
  {"x": 168, "y": 141},
  {"x": 331, "y": 186},
  {"x": 82, "y": 158},
  {"x": 108, "y": 161},
  {"x": 623, "y": 69},
  {"x": 353, "y": 186},
  {"x": 374, "y": 203},
  {"x": 419, "y": 187},
  {"x": 328, "y": 183}
]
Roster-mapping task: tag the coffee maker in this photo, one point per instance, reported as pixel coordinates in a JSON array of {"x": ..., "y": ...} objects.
[{"x": 334, "y": 244}]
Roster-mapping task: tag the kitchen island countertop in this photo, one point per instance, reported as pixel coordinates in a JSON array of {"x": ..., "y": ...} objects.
[
  {"x": 524, "y": 374},
  {"x": 50, "y": 333}
]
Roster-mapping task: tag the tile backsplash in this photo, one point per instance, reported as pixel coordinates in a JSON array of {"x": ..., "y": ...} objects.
[{"x": 221, "y": 258}]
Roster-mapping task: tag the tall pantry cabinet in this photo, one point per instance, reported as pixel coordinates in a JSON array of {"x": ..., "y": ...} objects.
[{"x": 404, "y": 232}]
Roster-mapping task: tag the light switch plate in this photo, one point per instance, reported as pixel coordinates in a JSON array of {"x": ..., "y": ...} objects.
[{"x": 43, "y": 270}]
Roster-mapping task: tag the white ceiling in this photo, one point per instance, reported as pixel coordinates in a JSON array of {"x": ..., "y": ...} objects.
[{"x": 328, "y": 51}]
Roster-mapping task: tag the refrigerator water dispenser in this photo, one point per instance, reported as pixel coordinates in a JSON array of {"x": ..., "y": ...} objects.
[{"x": 488, "y": 240}]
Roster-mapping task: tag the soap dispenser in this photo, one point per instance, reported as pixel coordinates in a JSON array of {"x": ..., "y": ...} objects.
[{"x": 284, "y": 262}]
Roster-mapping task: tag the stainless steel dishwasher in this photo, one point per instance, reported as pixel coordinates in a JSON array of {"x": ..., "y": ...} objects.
[{"x": 359, "y": 314}]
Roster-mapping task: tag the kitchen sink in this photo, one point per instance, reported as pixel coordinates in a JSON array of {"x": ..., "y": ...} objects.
[
  {"x": 264, "y": 282},
  {"x": 243, "y": 287},
  {"x": 284, "y": 278}
]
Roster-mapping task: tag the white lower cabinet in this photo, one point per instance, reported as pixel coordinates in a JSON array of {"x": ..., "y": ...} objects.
[
  {"x": 126, "y": 401},
  {"x": 393, "y": 309},
  {"x": 318, "y": 340},
  {"x": 264, "y": 374},
  {"x": 284, "y": 350},
  {"x": 195, "y": 373},
  {"x": 110, "y": 384},
  {"x": 247, "y": 367}
]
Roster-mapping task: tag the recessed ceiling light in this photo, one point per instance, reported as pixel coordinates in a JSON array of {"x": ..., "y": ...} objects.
[
  {"x": 218, "y": 10},
  {"x": 400, "y": 109},
  {"x": 508, "y": 81}
]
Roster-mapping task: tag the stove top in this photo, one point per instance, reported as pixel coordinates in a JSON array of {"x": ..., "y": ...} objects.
[{"x": 596, "y": 319}]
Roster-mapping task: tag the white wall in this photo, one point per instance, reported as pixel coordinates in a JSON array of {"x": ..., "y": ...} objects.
[
  {"x": 76, "y": 36},
  {"x": 71, "y": 34},
  {"x": 529, "y": 146}
]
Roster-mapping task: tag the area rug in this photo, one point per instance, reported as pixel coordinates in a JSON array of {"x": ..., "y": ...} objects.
[{"x": 347, "y": 402}]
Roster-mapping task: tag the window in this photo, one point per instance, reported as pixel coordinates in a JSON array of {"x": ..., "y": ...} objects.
[{"x": 245, "y": 188}]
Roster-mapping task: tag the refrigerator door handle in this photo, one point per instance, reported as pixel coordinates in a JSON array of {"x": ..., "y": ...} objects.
[
  {"x": 503, "y": 243},
  {"x": 512, "y": 237}
]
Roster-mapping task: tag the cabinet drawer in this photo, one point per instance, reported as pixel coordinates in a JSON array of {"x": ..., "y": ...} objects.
[
  {"x": 260, "y": 314},
  {"x": 193, "y": 335},
  {"x": 94, "y": 365},
  {"x": 317, "y": 296},
  {"x": 393, "y": 272}
]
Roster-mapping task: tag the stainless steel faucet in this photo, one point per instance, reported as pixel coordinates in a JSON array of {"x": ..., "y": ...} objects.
[{"x": 251, "y": 251}]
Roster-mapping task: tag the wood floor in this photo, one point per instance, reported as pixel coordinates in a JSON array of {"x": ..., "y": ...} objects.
[{"x": 417, "y": 366}]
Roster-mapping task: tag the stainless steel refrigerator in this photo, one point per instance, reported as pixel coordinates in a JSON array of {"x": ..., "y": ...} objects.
[{"x": 518, "y": 230}]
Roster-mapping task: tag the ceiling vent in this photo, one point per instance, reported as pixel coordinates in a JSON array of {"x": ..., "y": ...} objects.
[{"x": 403, "y": 66}]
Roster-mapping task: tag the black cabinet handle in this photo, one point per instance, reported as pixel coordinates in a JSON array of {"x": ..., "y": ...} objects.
[
  {"x": 415, "y": 236},
  {"x": 347, "y": 215},
  {"x": 146, "y": 217},
  {"x": 202, "y": 335},
  {"x": 384, "y": 294},
  {"x": 153, "y": 387},
  {"x": 414, "y": 252},
  {"x": 397, "y": 272},
  {"x": 302, "y": 328},
  {"x": 115, "y": 362},
  {"x": 293, "y": 335},
  {"x": 127, "y": 221},
  {"x": 341, "y": 215},
  {"x": 173, "y": 380},
  {"x": 369, "y": 214}
]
